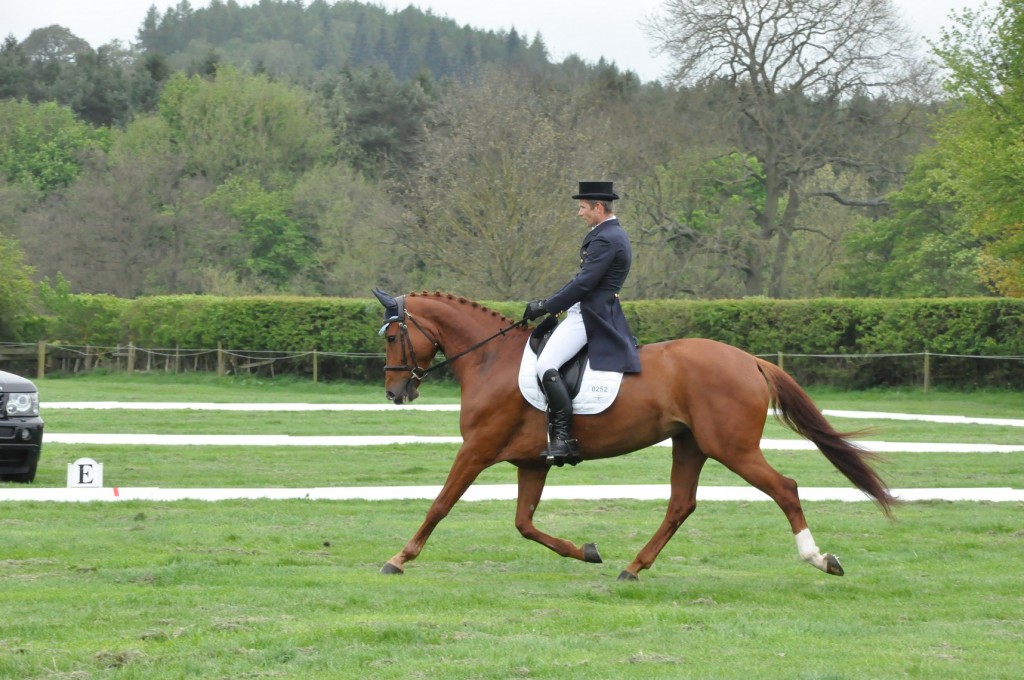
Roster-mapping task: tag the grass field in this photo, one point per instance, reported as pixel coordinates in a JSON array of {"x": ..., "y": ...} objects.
[{"x": 289, "y": 589}]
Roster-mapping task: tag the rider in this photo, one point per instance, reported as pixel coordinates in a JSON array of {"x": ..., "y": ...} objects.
[{"x": 591, "y": 299}]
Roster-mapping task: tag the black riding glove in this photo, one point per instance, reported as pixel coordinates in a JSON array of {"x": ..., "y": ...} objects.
[{"x": 534, "y": 310}]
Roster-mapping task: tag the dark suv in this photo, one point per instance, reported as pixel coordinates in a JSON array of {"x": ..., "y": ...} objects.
[{"x": 21, "y": 429}]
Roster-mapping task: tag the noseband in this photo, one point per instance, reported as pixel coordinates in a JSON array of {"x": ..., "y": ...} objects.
[{"x": 401, "y": 314}]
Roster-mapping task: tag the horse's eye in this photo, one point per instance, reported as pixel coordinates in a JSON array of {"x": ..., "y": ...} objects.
[{"x": 391, "y": 338}]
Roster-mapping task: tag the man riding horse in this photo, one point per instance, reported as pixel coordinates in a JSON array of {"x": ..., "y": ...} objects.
[{"x": 594, "y": 316}]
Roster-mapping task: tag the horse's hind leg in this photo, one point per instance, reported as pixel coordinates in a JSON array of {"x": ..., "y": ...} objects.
[
  {"x": 531, "y": 486},
  {"x": 687, "y": 462},
  {"x": 753, "y": 467}
]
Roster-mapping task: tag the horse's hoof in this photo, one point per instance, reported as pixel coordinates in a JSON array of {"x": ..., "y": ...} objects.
[
  {"x": 627, "y": 576},
  {"x": 590, "y": 553},
  {"x": 832, "y": 565},
  {"x": 391, "y": 570}
]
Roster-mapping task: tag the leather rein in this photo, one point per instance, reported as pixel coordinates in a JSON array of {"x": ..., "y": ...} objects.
[{"x": 409, "y": 353}]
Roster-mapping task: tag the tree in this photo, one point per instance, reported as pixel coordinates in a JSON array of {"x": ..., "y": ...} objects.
[
  {"x": 15, "y": 288},
  {"x": 792, "y": 69},
  {"x": 16, "y": 81},
  {"x": 983, "y": 137},
  {"x": 353, "y": 225},
  {"x": 239, "y": 124},
  {"x": 54, "y": 44},
  {"x": 500, "y": 161},
  {"x": 382, "y": 118},
  {"x": 44, "y": 145},
  {"x": 96, "y": 88},
  {"x": 922, "y": 248},
  {"x": 146, "y": 82},
  {"x": 127, "y": 227},
  {"x": 269, "y": 248}
]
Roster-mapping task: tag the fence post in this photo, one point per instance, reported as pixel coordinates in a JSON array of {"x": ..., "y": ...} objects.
[
  {"x": 41, "y": 360},
  {"x": 220, "y": 358},
  {"x": 782, "y": 361},
  {"x": 177, "y": 358},
  {"x": 927, "y": 371},
  {"x": 131, "y": 358},
  {"x": 315, "y": 367}
]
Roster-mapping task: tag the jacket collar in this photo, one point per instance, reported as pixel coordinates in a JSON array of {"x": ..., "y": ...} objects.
[{"x": 610, "y": 222}]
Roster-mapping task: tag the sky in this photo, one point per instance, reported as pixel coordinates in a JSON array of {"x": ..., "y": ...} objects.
[{"x": 591, "y": 29}]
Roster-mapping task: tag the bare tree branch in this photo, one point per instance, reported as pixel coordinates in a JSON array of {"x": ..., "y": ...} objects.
[
  {"x": 852, "y": 202},
  {"x": 797, "y": 69}
]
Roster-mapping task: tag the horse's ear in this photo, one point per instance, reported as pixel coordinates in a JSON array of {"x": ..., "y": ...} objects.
[{"x": 389, "y": 302}]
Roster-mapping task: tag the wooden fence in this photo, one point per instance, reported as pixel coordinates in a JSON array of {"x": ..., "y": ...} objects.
[{"x": 49, "y": 358}]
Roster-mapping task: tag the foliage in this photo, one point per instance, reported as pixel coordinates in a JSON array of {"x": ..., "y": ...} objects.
[
  {"x": 233, "y": 189},
  {"x": 248, "y": 125},
  {"x": 794, "y": 80},
  {"x": 81, "y": 319},
  {"x": 852, "y": 326},
  {"x": 281, "y": 324},
  {"x": 357, "y": 230},
  {"x": 701, "y": 217},
  {"x": 886, "y": 328},
  {"x": 54, "y": 65},
  {"x": 983, "y": 137},
  {"x": 293, "y": 39},
  {"x": 269, "y": 245},
  {"x": 15, "y": 289},
  {"x": 500, "y": 163},
  {"x": 43, "y": 145},
  {"x": 921, "y": 248},
  {"x": 384, "y": 119},
  {"x": 365, "y": 140}
]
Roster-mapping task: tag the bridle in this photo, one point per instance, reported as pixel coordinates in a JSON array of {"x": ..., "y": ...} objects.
[
  {"x": 403, "y": 334},
  {"x": 409, "y": 353}
]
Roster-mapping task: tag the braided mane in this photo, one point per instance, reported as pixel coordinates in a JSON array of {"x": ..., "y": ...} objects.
[{"x": 440, "y": 295}]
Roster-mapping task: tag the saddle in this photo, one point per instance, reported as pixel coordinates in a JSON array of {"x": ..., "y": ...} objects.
[
  {"x": 572, "y": 370},
  {"x": 591, "y": 391}
]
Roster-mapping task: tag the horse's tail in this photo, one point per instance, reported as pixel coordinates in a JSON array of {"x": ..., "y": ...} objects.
[{"x": 797, "y": 411}]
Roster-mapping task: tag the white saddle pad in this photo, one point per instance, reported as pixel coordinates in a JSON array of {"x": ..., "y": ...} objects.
[{"x": 597, "y": 392}]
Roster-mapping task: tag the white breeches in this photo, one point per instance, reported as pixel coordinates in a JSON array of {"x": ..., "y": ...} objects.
[{"x": 568, "y": 338}]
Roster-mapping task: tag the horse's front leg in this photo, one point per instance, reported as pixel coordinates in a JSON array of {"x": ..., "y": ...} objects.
[
  {"x": 531, "y": 486},
  {"x": 466, "y": 468}
]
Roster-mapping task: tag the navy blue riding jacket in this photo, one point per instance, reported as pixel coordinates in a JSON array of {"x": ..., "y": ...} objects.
[{"x": 605, "y": 258}]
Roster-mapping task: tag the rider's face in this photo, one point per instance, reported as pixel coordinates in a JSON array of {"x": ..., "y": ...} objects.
[{"x": 591, "y": 214}]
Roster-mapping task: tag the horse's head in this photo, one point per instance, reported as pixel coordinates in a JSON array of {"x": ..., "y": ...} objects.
[{"x": 408, "y": 353}]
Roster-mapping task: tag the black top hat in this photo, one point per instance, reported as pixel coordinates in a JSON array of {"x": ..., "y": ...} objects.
[{"x": 596, "y": 191}]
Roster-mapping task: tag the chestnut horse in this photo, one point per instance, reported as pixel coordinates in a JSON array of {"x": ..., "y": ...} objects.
[{"x": 709, "y": 398}]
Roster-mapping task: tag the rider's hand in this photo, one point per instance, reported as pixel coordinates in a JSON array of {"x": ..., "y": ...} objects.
[{"x": 534, "y": 309}]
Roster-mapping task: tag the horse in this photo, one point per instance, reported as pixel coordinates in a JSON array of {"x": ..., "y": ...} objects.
[{"x": 711, "y": 399}]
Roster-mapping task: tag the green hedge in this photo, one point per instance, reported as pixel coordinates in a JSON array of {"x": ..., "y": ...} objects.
[
  {"x": 992, "y": 327},
  {"x": 972, "y": 326}
]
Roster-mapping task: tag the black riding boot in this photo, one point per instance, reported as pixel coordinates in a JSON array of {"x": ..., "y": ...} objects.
[{"x": 562, "y": 448}]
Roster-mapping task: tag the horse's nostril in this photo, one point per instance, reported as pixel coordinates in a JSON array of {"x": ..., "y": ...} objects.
[{"x": 390, "y": 395}]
